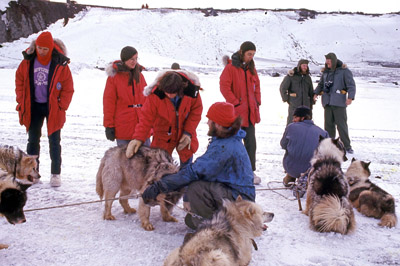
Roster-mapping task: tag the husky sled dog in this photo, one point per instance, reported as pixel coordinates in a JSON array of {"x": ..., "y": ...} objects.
[
  {"x": 368, "y": 198},
  {"x": 118, "y": 173},
  {"x": 327, "y": 202},
  {"x": 226, "y": 239},
  {"x": 12, "y": 199},
  {"x": 19, "y": 164}
]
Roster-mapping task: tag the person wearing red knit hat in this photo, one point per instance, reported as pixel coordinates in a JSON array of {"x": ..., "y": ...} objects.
[
  {"x": 44, "y": 89},
  {"x": 222, "y": 172}
]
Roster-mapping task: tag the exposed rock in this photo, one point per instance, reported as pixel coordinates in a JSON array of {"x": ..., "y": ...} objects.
[{"x": 24, "y": 17}]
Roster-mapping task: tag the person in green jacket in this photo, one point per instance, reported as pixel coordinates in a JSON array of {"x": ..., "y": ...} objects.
[{"x": 297, "y": 89}]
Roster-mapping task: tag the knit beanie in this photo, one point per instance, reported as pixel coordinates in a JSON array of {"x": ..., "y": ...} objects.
[
  {"x": 222, "y": 113},
  {"x": 302, "y": 111},
  {"x": 127, "y": 52},
  {"x": 247, "y": 46},
  {"x": 45, "y": 40},
  {"x": 175, "y": 66}
]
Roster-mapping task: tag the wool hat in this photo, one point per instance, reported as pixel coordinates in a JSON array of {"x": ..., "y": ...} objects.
[
  {"x": 331, "y": 56},
  {"x": 303, "y": 61},
  {"x": 247, "y": 46},
  {"x": 45, "y": 40},
  {"x": 127, "y": 52},
  {"x": 222, "y": 113},
  {"x": 175, "y": 66},
  {"x": 302, "y": 111}
]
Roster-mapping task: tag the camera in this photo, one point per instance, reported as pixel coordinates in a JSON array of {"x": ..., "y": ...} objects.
[{"x": 327, "y": 86}]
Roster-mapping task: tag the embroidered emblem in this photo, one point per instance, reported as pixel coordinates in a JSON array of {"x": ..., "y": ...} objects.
[{"x": 58, "y": 86}]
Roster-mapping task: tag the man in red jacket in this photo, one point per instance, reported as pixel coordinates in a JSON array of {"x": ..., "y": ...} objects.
[
  {"x": 240, "y": 86},
  {"x": 44, "y": 89}
]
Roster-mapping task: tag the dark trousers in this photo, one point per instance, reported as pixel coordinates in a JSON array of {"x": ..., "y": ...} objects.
[
  {"x": 337, "y": 117},
  {"x": 250, "y": 144},
  {"x": 39, "y": 112},
  {"x": 206, "y": 197}
]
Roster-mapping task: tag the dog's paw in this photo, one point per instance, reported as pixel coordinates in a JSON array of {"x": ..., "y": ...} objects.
[
  {"x": 170, "y": 219},
  {"x": 130, "y": 210},
  {"x": 109, "y": 217},
  {"x": 147, "y": 226},
  {"x": 3, "y": 246}
]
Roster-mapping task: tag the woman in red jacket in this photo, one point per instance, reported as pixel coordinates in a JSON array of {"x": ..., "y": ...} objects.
[
  {"x": 123, "y": 96},
  {"x": 240, "y": 86},
  {"x": 44, "y": 89},
  {"x": 173, "y": 110}
]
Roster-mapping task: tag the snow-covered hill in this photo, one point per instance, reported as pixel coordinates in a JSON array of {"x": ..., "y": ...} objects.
[{"x": 79, "y": 236}]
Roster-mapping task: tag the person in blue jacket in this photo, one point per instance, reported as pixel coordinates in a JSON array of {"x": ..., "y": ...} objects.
[
  {"x": 222, "y": 172},
  {"x": 300, "y": 140}
]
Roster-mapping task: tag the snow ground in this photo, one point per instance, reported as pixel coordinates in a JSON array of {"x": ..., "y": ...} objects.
[{"x": 79, "y": 236}]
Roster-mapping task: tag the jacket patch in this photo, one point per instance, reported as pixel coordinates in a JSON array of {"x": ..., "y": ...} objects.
[{"x": 58, "y": 86}]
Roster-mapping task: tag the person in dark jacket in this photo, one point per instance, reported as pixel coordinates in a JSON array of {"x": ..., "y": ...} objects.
[
  {"x": 299, "y": 141},
  {"x": 240, "y": 86},
  {"x": 297, "y": 89},
  {"x": 222, "y": 172},
  {"x": 338, "y": 91},
  {"x": 123, "y": 97},
  {"x": 44, "y": 89}
]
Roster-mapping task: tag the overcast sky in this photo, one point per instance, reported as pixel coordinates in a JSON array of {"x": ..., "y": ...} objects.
[{"x": 382, "y": 6}]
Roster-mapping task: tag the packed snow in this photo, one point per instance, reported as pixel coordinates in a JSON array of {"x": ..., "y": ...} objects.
[{"x": 78, "y": 235}]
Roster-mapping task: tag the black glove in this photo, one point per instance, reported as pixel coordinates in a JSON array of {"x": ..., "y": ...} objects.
[
  {"x": 152, "y": 192},
  {"x": 110, "y": 133}
]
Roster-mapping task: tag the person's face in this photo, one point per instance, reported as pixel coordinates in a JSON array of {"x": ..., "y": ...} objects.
[
  {"x": 211, "y": 128},
  {"x": 131, "y": 62},
  {"x": 171, "y": 95},
  {"x": 42, "y": 51},
  {"x": 303, "y": 68},
  {"x": 297, "y": 119},
  {"x": 248, "y": 56},
  {"x": 328, "y": 62}
]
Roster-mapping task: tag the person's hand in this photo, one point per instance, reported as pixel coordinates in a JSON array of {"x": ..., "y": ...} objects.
[
  {"x": 110, "y": 133},
  {"x": 151, "y": 192},
  {"x": 186, "y": 206},
  {"x": 315, "y": 97},
  {"x": 183, "y": 142},
  {"x": 349, "y": 101},
  {"x": 133, "y": 147}
]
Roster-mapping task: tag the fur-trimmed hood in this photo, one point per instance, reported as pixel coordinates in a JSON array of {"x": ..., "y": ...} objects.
[
  {"x": 191, "y": 90},
  {"x": 339, "y": 64},
  {"x": 59, "y": 52},
  {"x": 118, "y": 66},
  {"x": 235, "y": 60}
]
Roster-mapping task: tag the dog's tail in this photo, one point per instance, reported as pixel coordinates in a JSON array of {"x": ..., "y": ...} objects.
[
  {"x": 333, "y": 214},
  {"x": 99, "y": 179}
]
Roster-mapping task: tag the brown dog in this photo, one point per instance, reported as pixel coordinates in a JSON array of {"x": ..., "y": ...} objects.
[
  {"x": 118, "y": 173},
  {"x": 368, "y": 198},
  {"x": 19, "y": 164},
  {"x": 226, "y": 239},
  {"x": 327, "y": 202}
]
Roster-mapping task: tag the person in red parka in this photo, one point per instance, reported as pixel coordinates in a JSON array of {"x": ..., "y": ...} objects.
[
  {"x": 44, "y": 89},
  {"x": 123, "y": 96},
  {"x": 173, "y": 110},
  {"x": 240, "y": 86}
]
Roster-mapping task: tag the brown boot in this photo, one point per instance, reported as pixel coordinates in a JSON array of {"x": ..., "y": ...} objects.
[{"x": 288, "y": 180}]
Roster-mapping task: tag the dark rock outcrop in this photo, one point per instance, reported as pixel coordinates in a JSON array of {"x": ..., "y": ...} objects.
[{"x": 25, "y": 17}]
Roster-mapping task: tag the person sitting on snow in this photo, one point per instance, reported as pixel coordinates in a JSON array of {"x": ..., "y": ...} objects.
[
  {"x": 223, "y": 172},
  {"x": 300, "y": 140}
]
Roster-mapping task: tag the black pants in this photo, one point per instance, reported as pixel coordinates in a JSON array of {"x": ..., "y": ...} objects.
[
  {"x": 206, "y": 197},
  {"x": 250, "y": 144},
  {"x": 39, "y": 112}
]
